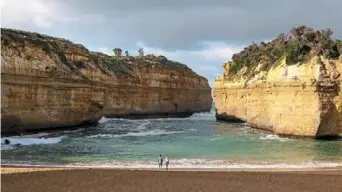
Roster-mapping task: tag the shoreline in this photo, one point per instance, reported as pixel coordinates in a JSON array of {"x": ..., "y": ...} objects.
[
  {"x": 173, "y": 166},
  {"x": 22, "y": 168}
]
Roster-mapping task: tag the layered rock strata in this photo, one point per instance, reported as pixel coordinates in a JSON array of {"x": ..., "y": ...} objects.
[
  {"x": 301, "y": 99},
  {"x": 49, "y": 82}
]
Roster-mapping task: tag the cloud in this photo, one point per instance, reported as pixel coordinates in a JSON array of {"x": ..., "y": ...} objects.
[
  {"x": 206, "y": 62},
  {"x": 42, "y": 14},
  {"x": 202, "y": 34},
  {"x": 177, "y": 24},
  {"x": 39, "y": 13},
  {"x": 104, "y": 50},
  {"x": 218, "y": 51}
]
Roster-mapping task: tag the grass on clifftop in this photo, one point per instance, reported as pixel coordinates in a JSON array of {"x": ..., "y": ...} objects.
[
  {"x": 119, "y": 65},
  {"x": 297, "y": 46}
]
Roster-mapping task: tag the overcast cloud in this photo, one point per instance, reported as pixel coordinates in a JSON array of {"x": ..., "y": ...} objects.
[{"x": 200, "y": 33}]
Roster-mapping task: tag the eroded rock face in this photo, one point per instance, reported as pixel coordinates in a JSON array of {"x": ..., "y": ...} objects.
[
  {"x": 301, "y": 100},
  {"x": 51, "y": 82}
]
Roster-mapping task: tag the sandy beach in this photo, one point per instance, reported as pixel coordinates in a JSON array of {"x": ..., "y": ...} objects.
[{"x": 92, "y": 179}]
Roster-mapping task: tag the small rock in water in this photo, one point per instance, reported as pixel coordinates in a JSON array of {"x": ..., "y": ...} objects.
[{"x": 7, "y": 142}]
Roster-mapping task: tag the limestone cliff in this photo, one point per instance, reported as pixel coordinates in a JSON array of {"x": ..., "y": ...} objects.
[
  {"x": 51, "y": 82},
  {"x": 291, "y": 85}
]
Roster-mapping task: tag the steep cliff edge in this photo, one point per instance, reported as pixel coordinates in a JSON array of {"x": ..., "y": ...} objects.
[
  {"x": 51, "y": 82},
  {"x": 291, "y": 85}
]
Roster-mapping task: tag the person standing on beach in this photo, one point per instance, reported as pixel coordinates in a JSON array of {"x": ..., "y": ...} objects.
[
  {"x": 167, "y": 162},
  {"x": 160, "y": 161}
]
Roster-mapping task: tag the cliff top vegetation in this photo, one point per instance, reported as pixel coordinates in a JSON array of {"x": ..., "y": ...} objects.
[
  {"x": 118, "y": 64},
  {"x": 297, "y": 46}
]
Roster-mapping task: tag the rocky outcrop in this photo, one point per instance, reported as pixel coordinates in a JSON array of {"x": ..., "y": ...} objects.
[
  {"x": 49, "y": 82},
  {"x": 301, "y": 99}
]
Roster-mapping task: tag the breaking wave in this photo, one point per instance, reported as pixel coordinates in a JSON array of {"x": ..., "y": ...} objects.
[
  {"x": 103, "y": 120},
  {"x": 273, "y": 137},
  {"x": 192, "y": 164},
  {"x": 35, "y": 139},
  {"x": 195, "y": 116},
  {"x": 138, "y": 134},
  {"x": 143, "y": 125}
]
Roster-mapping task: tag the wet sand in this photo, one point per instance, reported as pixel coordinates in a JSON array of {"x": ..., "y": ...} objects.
[{"x": 76, "y": 179}]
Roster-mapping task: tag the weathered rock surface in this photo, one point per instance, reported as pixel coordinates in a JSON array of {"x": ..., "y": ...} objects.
[
  {"x": 304, "y": 99},
  {"x": 308, "y": 105},
  {"x": 49, "y": 82}
]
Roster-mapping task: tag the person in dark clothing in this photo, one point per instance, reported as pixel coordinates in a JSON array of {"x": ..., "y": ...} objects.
[{"x": 160, "y": 161}]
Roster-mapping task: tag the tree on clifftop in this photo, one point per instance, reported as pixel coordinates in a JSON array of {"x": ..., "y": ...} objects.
[
  {"x": 126, "y": 53},
  {"x": 141, "y": 52},
  {"x": 117, "y": 51}
]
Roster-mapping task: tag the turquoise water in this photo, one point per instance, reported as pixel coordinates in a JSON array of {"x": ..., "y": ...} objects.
[{"x": 195, "y": 142}]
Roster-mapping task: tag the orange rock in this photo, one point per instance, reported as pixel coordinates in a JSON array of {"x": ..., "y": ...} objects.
[
  {"x": 299, "y": 100},
  {"x": 51, "y": 82}
]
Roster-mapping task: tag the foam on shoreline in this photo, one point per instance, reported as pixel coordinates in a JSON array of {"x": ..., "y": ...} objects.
[{"x": 185, "y": 164}]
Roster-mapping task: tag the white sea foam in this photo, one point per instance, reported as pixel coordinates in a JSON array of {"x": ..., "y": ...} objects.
[
  {"x": 38, "y": 135},
  {"x": 6, "y": 147},
  {"x": 26, "y": 140},
  {"x": 193, "y": 164},
  {"x": 103, "y": 120},
  {"x": 138, "y": 134},
  {"x": 202, "y": 116},
  {"x": 273, "y": 137},
  {"x": 201, "y": 163},
  {"x": 143, "y": 125},
  {"x": 73, "y": 131},
  {"x": 214, "y": 139},
  {"x": 195, "y": 116}
]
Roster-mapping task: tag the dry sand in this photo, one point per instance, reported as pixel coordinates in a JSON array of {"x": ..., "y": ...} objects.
[{"x": 65, "y": 179}]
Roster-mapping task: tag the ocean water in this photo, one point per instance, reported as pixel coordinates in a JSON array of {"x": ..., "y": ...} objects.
[{"x": 195, "y": 142}]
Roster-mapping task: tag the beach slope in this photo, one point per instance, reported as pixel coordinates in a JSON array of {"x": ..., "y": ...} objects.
[{"x": 38, "y": 179}]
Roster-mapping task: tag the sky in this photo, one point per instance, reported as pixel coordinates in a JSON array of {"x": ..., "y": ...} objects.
[{"x": 202, "y": 34}]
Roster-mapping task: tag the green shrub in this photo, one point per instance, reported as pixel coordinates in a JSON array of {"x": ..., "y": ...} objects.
[
  {"x": 333, "y": 52},
  {"x": 235, "y": 68},
  {"x": 296, "y": 47},
  {"x": 297, "y": 53}
]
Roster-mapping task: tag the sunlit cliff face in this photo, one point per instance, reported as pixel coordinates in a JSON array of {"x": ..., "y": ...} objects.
[
  {"x": 51, "y": 82},
  {"x": 290, "y": 85}
]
